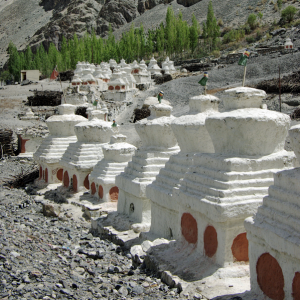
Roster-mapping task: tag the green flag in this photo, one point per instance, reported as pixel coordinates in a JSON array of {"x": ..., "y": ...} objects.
[
  {"x": 244, "y": 58},
  {"x": 204, "y": 79},
  {"x": 95, "y": 102},
  {"x": 160, "y": 96}
]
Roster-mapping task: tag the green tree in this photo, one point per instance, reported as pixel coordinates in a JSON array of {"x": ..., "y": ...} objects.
[
  {"x": 28, "y": 58},
  {"x": 65, "y": 55},
  {"x": 14, "y": 61},
  {"x": 45, "y": 63},
  {"x": 288, "y": 13},
  {"x": 194, "y": 33},
  {"x": 5, "y": 75},
  {"x": 252, "y": 21},
  {"x": 212, "y": 28},
  {"x": 53, "y": 56},
  {"x": 170, "y": 31},
  {"x": 279, "y": 4},
  {"x": 149, "y": 44},
  {"x": 74, "y": 51}
]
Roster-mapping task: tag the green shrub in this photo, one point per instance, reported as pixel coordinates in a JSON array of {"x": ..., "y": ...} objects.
[
  {"x": 288, "y": 13},
  {"x": 250, "y": 39},
  {"x": 252, "y": 21},
  {"x": 216, "y": 53},
  {"x": 258, "y": 35}
]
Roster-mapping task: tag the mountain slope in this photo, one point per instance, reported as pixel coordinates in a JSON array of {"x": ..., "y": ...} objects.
[{"x": 31, "y": 22}]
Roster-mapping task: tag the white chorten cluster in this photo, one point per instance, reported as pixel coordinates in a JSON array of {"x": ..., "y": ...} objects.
[
  {"x": 221, "y": 189},
  {"x": 192, "y": 137},
  {"x": 153, "y": 67},
  {"x": 53, "y": 147},
  {"x": 168, "y": 66},
  {"x": 158, "y": 144},
  {"x": 80, "y": 157},
  {"x": 89, "y": 74},
  {"x": 117, "y": 154},
  {"x": 274, "y": 235},
  {"x": 119, "y": 82}
]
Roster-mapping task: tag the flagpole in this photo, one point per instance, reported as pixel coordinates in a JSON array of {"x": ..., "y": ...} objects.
[
  {"x": 244, "y": 75},
  {"x": 205, "y": 90}
]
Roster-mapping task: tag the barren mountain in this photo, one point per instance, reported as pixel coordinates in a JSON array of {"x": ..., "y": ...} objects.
[{"x": 31, "y": 22}]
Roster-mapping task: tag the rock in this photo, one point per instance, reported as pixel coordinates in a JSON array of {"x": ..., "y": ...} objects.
[
  {"x": 146, "y": 245},
  {"x": 278, "y": 31},
  {"x": 197, "y": 296},
  {"x": 188, "y": 3},
  {"x": 14, "y": 254},
  {"x": 35, "y": 274},
  {"x": 138, "y": 290},
  {"x": 26, "y": 279},
  {"x": 137, "y": 254},
  {"x": 51, "y": 210},
  {"x": 160, "y": 79},
  {"x": 66, "y": 292},
  {"x": 123, "y": 291},
  {"x": 26, "y": 82}
]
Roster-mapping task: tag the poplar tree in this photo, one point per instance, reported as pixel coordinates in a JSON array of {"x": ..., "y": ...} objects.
[
  {"x": 74, "y": 51},
  {"x": 37, "y": 61},
  {"x": 170, "y": 31},
  {"x": 194, "y": 29},
  {"x": 14, "y": 61},
  {"x": 28, "y": 58},
  {"x": 212, "y": 28},
  {"x": 65, "y": 55}
]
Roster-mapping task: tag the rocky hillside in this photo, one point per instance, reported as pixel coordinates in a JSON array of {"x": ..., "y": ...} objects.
[{"x": 30, "y": 22}]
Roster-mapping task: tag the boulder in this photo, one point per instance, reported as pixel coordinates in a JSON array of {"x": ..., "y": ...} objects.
[
  {"x": 50, "y": 210},
  {"x": 187, "y": 3}
]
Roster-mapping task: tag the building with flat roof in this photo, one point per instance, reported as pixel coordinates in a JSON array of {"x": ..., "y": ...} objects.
[{"x": 33, "y": 75}]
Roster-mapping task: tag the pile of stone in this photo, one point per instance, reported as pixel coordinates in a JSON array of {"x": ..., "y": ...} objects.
[
  {"x": 289, "y": 84},
  {"x": 6, "y": 142},
  {"x": 55, "y": 257},
  {"x": 45, "y": 98}
]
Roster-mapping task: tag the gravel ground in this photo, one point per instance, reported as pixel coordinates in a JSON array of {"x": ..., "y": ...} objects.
[{"x": 56, "y": 258}]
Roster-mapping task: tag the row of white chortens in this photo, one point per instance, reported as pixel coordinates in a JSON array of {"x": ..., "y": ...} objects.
[
  {"x": 124, "y": 76},
  {"x": 195, "y": 178}
]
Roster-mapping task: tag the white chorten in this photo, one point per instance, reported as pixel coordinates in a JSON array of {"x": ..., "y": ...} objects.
[
  {"x": 192, "y": 137},
  {"x": 143, "y": 64},
  {"x": 100, "y": 79},
  {"x": 29, "y": 115},
  {"x": 220, "y": 190},
  {"x": 123, "y": 63},
  {"x": 158, "y": 144},
  {"x": 153, "y": 67},
  {"x": 76, "y": 80},
  {"x": 51, "y": 150},
  {"x": 116, "y": 157},
  {"x": 112, "y": 63},
  {"x": 168, "y": 66},
  {"x": 274, "y": 235},
  {"x": 79, "y": 68},
  {"x": 80, "y": 157}
]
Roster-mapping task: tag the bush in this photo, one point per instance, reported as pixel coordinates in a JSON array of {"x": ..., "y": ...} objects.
[
  {"x": 258, "y": 35},
  {"x": 288, "y": 13},
  {"x": 250, "y": 39},
  {"x": 220, "y": 23},
  {"x": 216, "y": 53},
  {"x": 252, "y": 21}
]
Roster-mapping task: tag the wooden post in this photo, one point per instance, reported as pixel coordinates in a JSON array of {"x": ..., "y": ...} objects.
[
  {"x": 62, "y": 90},
  {"x": 279, "y": 89},
  {"x": 244, "y": 79}
]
